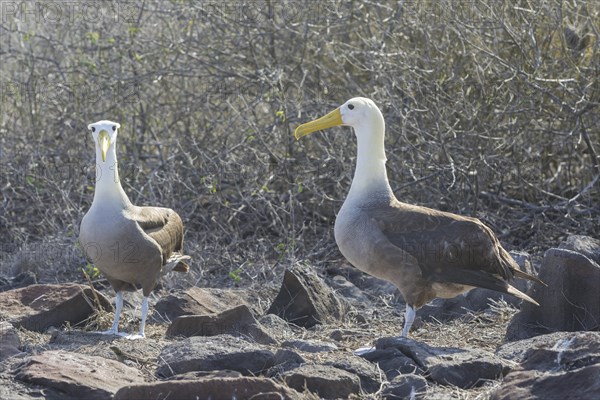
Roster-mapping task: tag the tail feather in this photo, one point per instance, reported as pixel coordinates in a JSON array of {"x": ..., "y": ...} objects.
[
  {"x": 177, "y": 262},
  {"x": 524, "y": 275},
  {"x": 181, "y": 267},
  {"x": 516, "y": 269},
  {"x": 516, "y": 292}
]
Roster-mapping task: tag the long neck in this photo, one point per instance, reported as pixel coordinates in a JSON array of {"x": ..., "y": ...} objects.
[
  {"x": 108, "y": 190},
  {"x": 370, "y": 175}
]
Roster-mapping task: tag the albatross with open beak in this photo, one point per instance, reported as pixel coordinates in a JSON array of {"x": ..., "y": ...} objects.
[
  {"x": 426, "y": 253},
  {"x": 132, "y": 246}
]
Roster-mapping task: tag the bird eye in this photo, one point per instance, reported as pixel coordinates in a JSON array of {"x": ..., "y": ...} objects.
[
  {"x": 350, "y": 106},
  {"x": 114, "y": 128},
  {"x": 93, "y": 129}
]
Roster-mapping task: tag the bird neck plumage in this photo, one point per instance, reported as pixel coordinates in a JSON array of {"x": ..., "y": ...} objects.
[
  {"x": 108, "y": 186},
  {"x": 370, "y": 175}
]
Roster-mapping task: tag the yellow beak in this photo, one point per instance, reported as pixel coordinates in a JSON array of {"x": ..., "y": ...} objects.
[
  {"x": 334, "y": 118},
  {"x": 103, "y": 143}
]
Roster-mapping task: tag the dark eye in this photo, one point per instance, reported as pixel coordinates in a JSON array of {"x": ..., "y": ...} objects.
[
  {"x": 93, "y": 129},
  {"x": 350, "y": 106},
  {"x": 114, "y": 128}
]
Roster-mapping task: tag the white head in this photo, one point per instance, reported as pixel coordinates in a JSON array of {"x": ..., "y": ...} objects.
[
  {"x": 105, "y": 135},
  {"x": 359, "y": 112}
]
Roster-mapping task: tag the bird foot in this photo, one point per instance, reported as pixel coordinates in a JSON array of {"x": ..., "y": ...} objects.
[
  {"x": 364, "y": 350},
  {"x": 137, "y": 336},
  {"x": 369, "y": 349},
  {"x": 113, "y": 332}
]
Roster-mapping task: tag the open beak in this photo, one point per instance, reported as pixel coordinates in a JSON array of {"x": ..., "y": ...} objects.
[
  {"x": 334, "y": 118},
  {"x": 103, "y": 143}
]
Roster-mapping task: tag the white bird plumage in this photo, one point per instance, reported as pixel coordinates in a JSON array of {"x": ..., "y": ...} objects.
[{"x": 130, "y": 245}]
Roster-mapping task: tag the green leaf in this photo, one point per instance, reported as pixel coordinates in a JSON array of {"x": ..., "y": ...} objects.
[
  {"x": 281, "y": 115},
  {"x": 235, "y": 275},
  {"x": 94, "y": 37},
  {"x": 92, "y": 271}
]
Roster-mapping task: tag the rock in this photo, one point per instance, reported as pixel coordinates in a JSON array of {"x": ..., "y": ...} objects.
[
  {"x": 368, "y": 373},
  {"x": 277, "y": 327},
  {"x": 569, "y": 303},
  {"x": 477, "y": 299},
  {"x": 337, "y": 335},
  {"x": 194, "y": 375},
  {"x": 347, "y": 289},
  {"x": 37, "y": 307},
  {"x": 465, "y": 368},
  {"x": 392, "y": 362},
  {"x": 285, "y": 360},
  {"x": 74, "y": 338},
  {"x": 288, "y": 358},
  {"x": 199, "y": 353},
  {"x": 134, "y": 353},
  {"x": 197, "y": 301},
  {"x": 9, "y": 335},
  {"x": 213, "y": 388},
  {"x": 237, "y": 321},
  {"x": 585, "y": 245},
  {"x": 580, "y": 384},
  {"x": 323, "y": 380},
  {"x": 367, "y": 283},
  {"x": 343, "y": 334},
  {"x": 517, "y": 351},
  {"x": 78, "y": 375},
  {"x": 8, "y": 351},
  {"x": 305, "y": 300},
  {"x": 408, "y": 386},
  {"x": 23, "y": 279},
  {"x": 272, "y": 321},
  {"x": 310, "y": 346},
  {"x": 9, "y": 341},
  {"x": 11, "y": 389},
  {"x": 561, "y": 365},
  {"x": 574, "y": 348}
]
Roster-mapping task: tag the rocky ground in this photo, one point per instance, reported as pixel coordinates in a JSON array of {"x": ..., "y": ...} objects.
[{"x": 298, "y": 339}]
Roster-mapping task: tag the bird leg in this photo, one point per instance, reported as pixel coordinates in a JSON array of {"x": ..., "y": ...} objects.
[
  {"x": 114, "y": 330},
  {"x": 409, "y": 318},
  {"x": 144, "y": 315},
  {"x": 141, "y": 335}
]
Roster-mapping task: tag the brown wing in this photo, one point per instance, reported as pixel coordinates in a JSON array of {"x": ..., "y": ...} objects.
[
  {"x": 448, "y": 247},
  {"x": 164, "y": 226}
]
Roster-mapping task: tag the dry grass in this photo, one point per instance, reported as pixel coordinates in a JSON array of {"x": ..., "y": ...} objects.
[
  {"x": 475, "y": 330},
  {"x": 481, "y": 330}
]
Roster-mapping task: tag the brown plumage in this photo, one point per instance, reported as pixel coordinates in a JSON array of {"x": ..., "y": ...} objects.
[
  {"x": 132, "y": 246},
  {"x": 426, "y": 253},
  {"x": 137, "y": 244}
]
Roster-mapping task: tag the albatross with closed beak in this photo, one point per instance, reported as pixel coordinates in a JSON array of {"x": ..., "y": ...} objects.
[
  {"x": 132, "y": 246},
  {"x": 426, "y": 253}
]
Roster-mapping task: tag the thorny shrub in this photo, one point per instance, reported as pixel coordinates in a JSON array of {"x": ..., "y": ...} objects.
[{"x": 491, "y": 110}]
